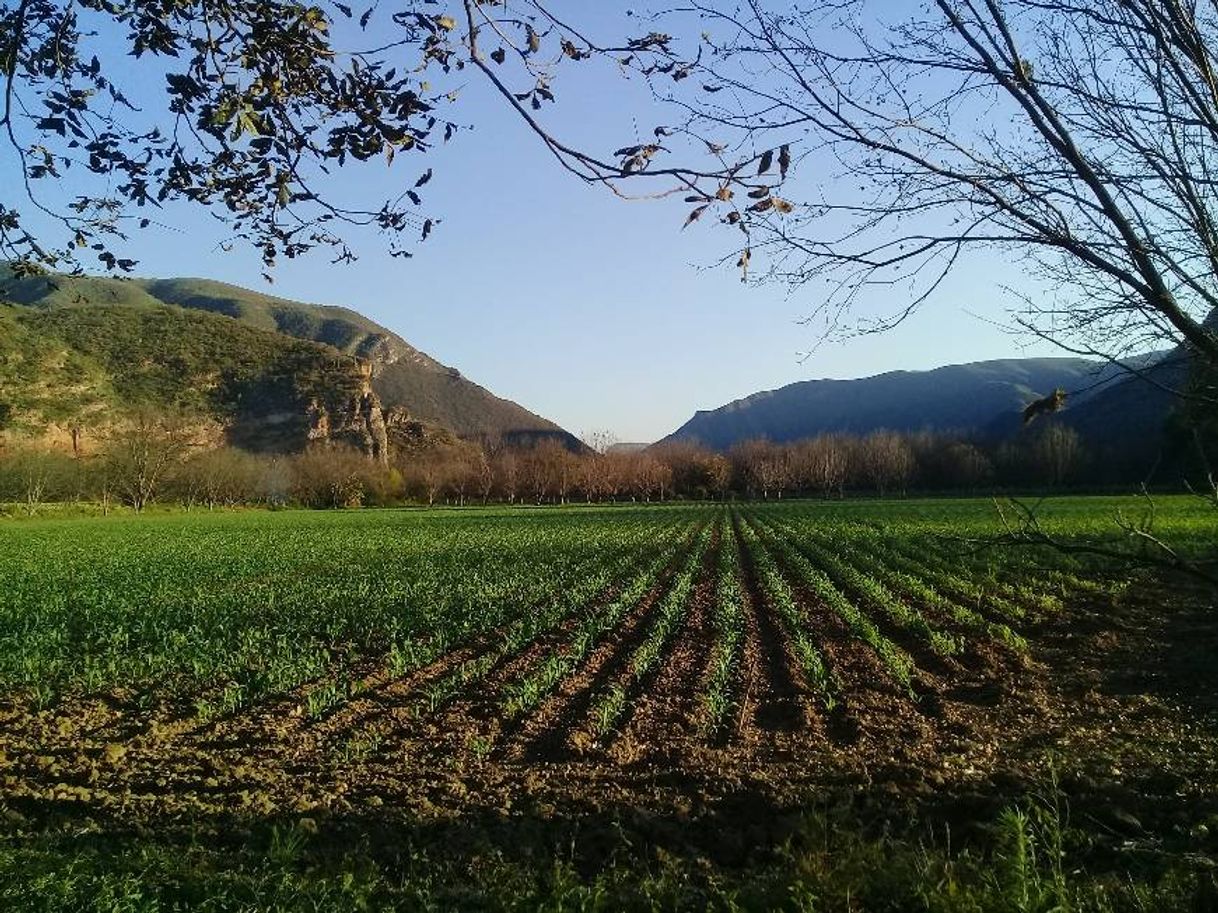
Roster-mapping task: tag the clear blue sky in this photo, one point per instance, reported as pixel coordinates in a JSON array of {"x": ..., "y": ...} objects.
[{"x": 594, "y": 312}]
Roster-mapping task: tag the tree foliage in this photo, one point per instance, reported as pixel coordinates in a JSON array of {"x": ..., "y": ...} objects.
[{"x": 258, "y": 101}]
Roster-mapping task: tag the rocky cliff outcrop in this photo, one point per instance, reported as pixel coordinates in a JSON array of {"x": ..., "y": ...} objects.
[{"x": 356, "y": 419}]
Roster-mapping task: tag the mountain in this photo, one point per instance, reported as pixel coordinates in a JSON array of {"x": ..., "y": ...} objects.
[
  {"x": 956, "y": 397},
  {"x": 74, "y": 373},
  {"x": 90, "y": 310}
]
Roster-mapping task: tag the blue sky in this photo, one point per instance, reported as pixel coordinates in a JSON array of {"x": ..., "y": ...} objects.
[{"x": 592, "y": 311}]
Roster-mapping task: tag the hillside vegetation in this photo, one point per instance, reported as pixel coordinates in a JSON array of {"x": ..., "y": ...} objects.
[
  {"x": 90, "y": 367},
  {"x": 402, "y": 377},
  {"x": 44, "y": 380}
]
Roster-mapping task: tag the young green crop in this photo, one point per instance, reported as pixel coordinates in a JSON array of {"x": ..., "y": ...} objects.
[
  {"x": 718, "y": 700},
  {"x": 781, "y": 598},
  {"x": 867, "y": 553},
  {"x": 898, "y": 663},
  {"x": 609, "y": 707},
  {"x": 878, "y": 597},
  {"x": 975, "y": 578},
  {"x": 527, "y": 693},
  {"x": 524, "y": 630},
  {"x": 257, "y": 603},
  {"x": 226, "y": 610}
]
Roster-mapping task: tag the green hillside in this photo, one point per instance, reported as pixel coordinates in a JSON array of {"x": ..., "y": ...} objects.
[
  {"x": 339, "y": 327},
  {"x": 92, "y": 366},
  {"x": 402, "y": 375},
  {"x": 44, "y": 380}
]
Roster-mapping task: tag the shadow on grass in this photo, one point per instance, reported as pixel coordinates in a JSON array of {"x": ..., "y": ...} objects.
[{"x": 864, "y": 850}]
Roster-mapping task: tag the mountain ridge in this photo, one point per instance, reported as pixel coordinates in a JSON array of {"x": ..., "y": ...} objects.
[{"x": 963, "y": 397}]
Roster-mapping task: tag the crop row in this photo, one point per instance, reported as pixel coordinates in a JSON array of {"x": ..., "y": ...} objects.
[
  {"x": 1007, "y": 581},
  {"x": 866, "y": 554},
  {"x": 898, "y": 663},
  {"x": 526, "y": 693},
  {"x": 229, "y": 610},
  {"x": 780, "y": 598},
  {"x": 875, "y": 595},
  {"x": 718, "y": 700},
  {"x": 523, "y": 630}
]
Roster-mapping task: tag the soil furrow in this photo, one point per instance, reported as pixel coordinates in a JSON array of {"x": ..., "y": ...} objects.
[
  {"x": 668, "y": 707},
  {"x": 930, "y": 668},
  {"x": 872, "y": 710},
  {"x": 403, "y": 700}
]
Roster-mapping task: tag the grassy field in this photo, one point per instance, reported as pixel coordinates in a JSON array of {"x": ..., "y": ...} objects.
[{"x": 800, "y": 706}]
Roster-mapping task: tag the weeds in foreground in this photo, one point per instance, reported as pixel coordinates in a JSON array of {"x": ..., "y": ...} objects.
[{"x": 1029, "y": 865}]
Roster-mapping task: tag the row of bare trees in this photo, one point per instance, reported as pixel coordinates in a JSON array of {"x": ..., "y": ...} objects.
[
  {"x": 140, "y": 473},
  {"x": 155, "y": 461},
  {"x": 889, "y": 462}
]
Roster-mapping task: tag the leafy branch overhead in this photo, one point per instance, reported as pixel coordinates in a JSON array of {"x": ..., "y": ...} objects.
[
  {"x": 245, "y": 107},
  {"x": 248, "y": 108}
]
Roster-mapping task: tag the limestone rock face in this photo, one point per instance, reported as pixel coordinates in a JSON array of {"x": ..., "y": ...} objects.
[
  {"x": 396, "y": 418},
  {"x": 374, "y": 432},
  {"x": 355, "y": 418},
  {"x": 319, "y": 422}
]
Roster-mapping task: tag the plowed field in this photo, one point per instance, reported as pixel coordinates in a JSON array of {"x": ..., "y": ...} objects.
[{"x": 713, "y": 668}]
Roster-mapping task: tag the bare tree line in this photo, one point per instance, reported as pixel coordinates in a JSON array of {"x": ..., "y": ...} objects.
[{"x": 155, "y": 461}]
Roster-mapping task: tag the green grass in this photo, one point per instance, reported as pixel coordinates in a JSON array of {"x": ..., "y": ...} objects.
[
  {"x": 828, "y": 863},
  {"x": 263, "y": 600}
]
